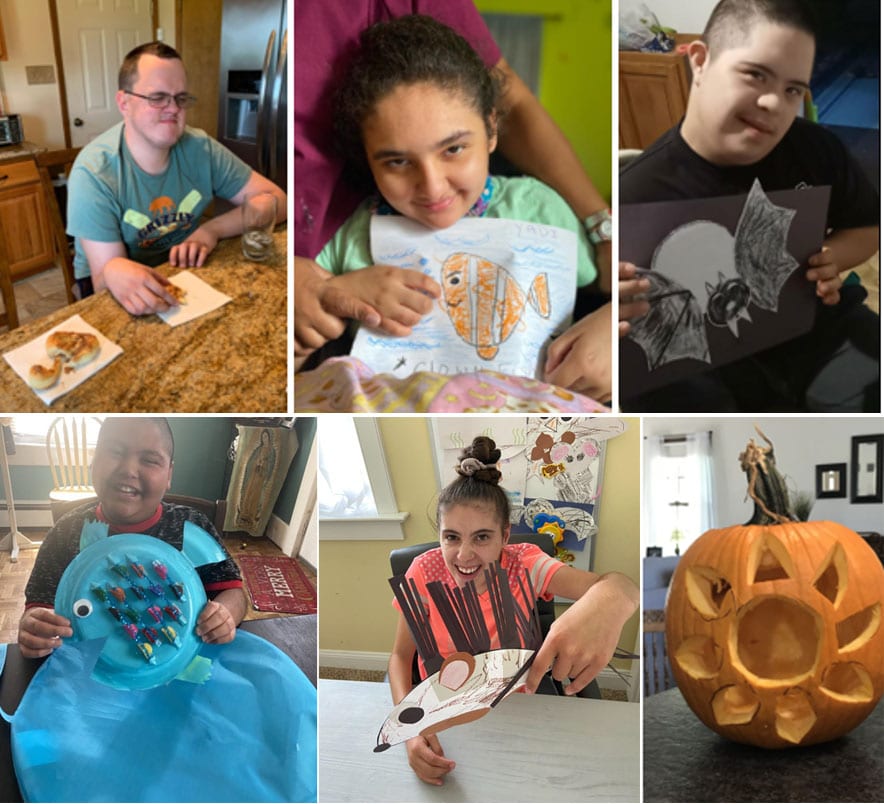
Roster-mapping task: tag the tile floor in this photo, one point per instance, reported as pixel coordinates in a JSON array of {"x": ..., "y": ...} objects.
[{"x": 38, "y": 295}]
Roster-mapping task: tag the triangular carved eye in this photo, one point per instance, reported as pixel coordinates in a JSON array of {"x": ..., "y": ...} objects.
[
  {"x": 708, "y": 592},
  {"x": 854, "y": 631},
  {"x": 769, "y": 560},
  {"x": 831, "y": 580}
]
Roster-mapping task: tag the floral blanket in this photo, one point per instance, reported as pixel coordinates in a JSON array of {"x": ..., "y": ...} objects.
[{"x": 345, "y": 384}]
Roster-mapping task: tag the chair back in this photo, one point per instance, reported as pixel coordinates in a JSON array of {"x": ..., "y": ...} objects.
[
  {"x": 656, "y": 669},
  {"x": 50, "y": 165},
  {"x": 67, "y": 450},
  {"x": 213, "y": 509},
  {"x": 9, "y": 316}
]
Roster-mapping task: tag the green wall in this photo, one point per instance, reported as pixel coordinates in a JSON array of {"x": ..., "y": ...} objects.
[
  {"x": 575, "y": 74},
  {"x": 201, "y": 445}
]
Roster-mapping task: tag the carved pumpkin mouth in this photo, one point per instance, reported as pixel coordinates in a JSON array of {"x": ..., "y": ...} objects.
[{"x": 777, "y": 639}]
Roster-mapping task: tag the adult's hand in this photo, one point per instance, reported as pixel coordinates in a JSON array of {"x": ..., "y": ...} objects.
[
  {"x": 321, "y": 311},
  {"x": 401, "y": 296},
  {"x": 193, "y": 251},
  {"x": 630, "y": 289},
  {"x": 580, "y": 358},
  {"x": 427, "y": 759},
  {"x": 41, "y": 630}
]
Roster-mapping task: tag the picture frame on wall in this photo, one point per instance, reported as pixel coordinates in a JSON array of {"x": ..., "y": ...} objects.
[
  {"x": 867, "y": 469},
  {"x": 831, "y": 480}
]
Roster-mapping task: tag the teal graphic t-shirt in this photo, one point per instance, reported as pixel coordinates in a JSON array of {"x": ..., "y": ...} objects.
[{"x": 111, "y": 199}]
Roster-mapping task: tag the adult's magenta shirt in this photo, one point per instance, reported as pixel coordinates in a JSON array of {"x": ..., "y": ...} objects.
[{"x": 326, "y": 37}]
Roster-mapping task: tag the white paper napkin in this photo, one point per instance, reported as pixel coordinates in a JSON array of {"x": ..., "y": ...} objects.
[
  {"x": 201, "y": 298},
  {"x": 26, "y": 355}
]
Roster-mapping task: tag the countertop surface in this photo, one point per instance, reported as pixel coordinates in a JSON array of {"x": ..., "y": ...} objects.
[
  {"x": 529, "y": 748},
  {"x": 20, "y": 151},
  {"x": 684, "y": 761},
  {"x": 233, "y": 359}
]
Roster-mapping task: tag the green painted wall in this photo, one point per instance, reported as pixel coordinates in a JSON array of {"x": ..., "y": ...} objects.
[
  {"x": 201, "y": 445},
  {"x": 575, "y": 74}
]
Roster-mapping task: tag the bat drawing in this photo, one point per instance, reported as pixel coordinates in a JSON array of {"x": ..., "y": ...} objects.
[{"x": 751, "y": 267}]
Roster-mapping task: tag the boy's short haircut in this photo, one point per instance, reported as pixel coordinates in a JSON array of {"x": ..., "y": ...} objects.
[
  {"x": 731, "y": 21},
  {"x": 161, "y": 422},
  {"x": 128, "y": 74}
]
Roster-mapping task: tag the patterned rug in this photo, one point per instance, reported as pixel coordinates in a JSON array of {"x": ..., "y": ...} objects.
[{"x": 277, "y": 583}]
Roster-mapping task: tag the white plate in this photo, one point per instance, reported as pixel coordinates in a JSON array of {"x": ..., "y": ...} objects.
[{"x": 26, "y": 355}]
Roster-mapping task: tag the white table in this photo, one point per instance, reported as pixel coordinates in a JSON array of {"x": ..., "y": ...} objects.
[{"x": 530, "y": 748}]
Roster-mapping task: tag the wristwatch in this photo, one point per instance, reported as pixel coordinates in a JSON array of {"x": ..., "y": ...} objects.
[{"x": 599, "y": 227}]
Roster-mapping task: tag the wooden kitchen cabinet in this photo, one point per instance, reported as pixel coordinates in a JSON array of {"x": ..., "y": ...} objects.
[
  {"x": 653, "y": 95},
  {"x": 24, "y": 222},
  {"x": 4, "y": 56}
]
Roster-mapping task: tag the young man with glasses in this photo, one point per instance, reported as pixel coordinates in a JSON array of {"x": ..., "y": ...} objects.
[{"x": 138, "y": 191}]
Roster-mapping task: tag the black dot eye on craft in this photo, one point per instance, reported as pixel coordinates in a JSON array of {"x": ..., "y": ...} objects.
[{"x": 412, "y": 714}]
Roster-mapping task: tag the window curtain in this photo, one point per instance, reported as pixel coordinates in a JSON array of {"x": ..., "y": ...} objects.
[
  {"x": 677, "y": 469},
  {"x": 699, "y": 451},
  {"x": 262, "y": 461}
]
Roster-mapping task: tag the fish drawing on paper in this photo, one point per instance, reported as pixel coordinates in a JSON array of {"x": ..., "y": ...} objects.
[
  {"x": 751, "y": 267},
  {"x": 485, "y": 303}
]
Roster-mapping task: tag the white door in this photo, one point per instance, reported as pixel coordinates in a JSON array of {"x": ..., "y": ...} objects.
[{"x": 95, "y": 37}]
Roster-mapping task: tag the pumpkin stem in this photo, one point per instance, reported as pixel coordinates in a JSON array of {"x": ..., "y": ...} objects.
[{"x": 767, "y": 487}]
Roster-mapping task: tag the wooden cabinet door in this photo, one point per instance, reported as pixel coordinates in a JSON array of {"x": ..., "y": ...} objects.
[
  {"x": 24, "y": 223},
  {"x": 653, "y": 96}
]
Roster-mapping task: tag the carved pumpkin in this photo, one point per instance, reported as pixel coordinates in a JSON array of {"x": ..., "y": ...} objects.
[{"x": 774, "y": 628}]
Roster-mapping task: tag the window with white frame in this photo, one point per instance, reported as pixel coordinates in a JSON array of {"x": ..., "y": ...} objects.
[
  {"x": 678, "y": 490},
  {"x": 356, "y": 499}
]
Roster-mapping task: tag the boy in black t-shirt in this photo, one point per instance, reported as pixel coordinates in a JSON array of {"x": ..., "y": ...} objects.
[
  {"x": 131, "y": 471},
  {"x": 750, "y": 74}
]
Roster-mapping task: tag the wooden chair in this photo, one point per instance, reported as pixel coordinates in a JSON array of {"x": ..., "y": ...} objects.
[
  {"x": 67, "y": 449},
  {"x": 51, "y": 164},
  {"x": 9, "y": 316},
  {"x": 657, "y": 671}
]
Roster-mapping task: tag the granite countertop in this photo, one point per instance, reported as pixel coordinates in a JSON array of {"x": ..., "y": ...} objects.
[
  {"x": 22, "y": 150},
  {"x": 233, "y": 359},
  {"x": 684, "y": 761}
]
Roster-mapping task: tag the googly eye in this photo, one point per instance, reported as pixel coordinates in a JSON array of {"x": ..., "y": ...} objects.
[{"x": 83, "y": 607}]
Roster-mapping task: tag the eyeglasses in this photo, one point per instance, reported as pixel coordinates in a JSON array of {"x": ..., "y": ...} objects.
[{"x": 160, "y": 100}]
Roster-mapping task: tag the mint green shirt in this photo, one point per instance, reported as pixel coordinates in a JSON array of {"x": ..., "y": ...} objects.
[
  {"x": 111, "y": 199},
  {"x": 519, "y": 198}
]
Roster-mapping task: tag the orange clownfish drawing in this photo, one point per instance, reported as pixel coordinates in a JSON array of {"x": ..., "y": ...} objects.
[{"x": 485, "y": 303}]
